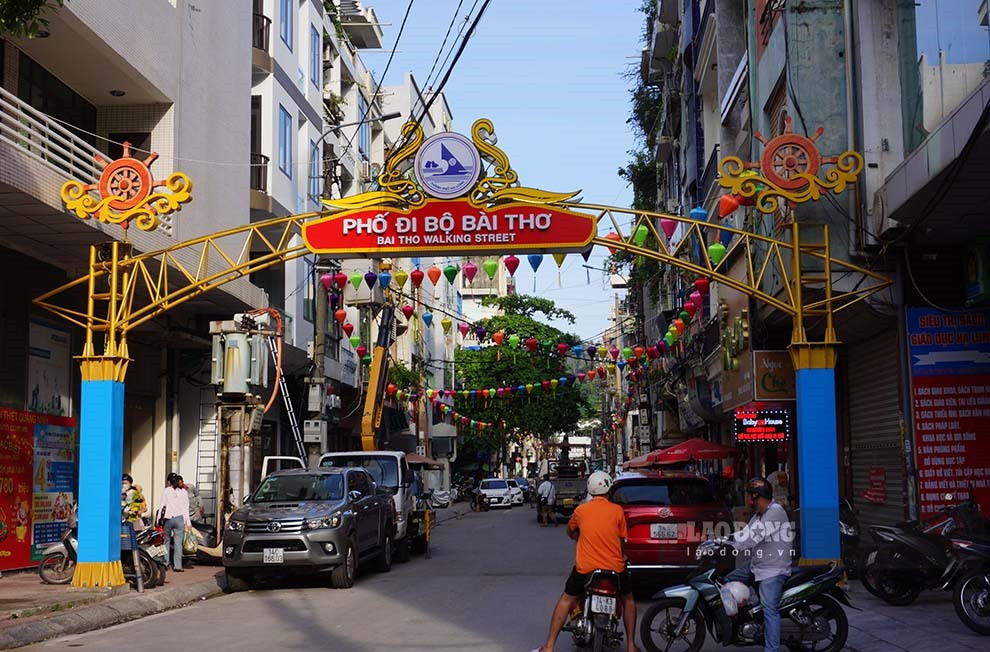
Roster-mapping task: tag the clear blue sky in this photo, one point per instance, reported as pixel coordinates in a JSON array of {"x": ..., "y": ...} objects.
[{"x": 549, "y": 74}]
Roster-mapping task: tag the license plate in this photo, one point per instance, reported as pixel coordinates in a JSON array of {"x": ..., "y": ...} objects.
[
  {"x": 663, "y": 530},
  {"x": 157, "y": 551},
  {"x": 568, "y": 502},
  {"x": 274, "y": 555},
  {"x": 872, "y": 557},
  {"x": 602, "y": 604}
]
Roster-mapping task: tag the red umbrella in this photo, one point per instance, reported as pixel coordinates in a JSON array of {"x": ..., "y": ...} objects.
[
  {"x": 692, "y": 449},
  {"x": 638, "y": 462}
]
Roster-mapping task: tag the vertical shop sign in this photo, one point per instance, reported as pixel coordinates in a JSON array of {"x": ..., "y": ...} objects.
[
  {"x": 54, "y": 480},
  {"x": 16, "y": 445},
  {"x": 49, "y": 369},
  {"x": 950, "y": 388},
  {"x": 877, "y": 493}
]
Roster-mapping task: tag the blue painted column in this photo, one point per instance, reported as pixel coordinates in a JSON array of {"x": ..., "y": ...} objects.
[
  {"x": 818, "y": 465},
  {"x": 101, "y": 444}
]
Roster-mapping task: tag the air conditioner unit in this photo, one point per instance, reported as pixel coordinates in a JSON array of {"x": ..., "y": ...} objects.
[{"x": 364, "y": 171}]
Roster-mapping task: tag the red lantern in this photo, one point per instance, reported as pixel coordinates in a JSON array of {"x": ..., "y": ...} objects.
[
  {"x": 562, "y": 348},
  {"x": 690, "y": 308},
  {"x": 348, "y": 328},
  {"x": 340, "y": 279},
  {"x": 701, "y": 285},
  {"x": 361, "y": 351},
  {"x": 416, "y": 276},
  {"x": 639, "y": 351},
  {"x": 498, "y": 337},
  {"x": 727, "y": 205},
  {"x": 531, "y": 344},
  {"x": 591, "y": 374},
  {"x": 408, "y": 311},
  {"x": 612, "y": 235},
  {"x": 392, "y": 389},
  {"x": 546, "y": 385}
]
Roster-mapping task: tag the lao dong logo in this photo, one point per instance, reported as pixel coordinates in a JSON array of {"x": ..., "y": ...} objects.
[{"x": 447, "y": 165}]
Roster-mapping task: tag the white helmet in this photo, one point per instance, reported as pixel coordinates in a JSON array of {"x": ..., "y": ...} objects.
[
  {"x": 599, "y": 483},
  {"x": 734, "y": 595}
]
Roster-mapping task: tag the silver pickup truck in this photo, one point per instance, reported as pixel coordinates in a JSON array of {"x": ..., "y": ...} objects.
[{"x": 306, "y": 520}]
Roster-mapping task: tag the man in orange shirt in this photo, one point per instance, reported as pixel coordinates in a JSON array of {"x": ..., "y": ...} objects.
[{"x": 599, "y": 527}]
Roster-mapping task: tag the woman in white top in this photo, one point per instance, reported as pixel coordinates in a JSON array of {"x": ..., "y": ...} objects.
[{"x": 175, "y": 505}]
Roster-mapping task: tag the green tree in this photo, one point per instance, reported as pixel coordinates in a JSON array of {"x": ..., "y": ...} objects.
[
  {"x": 540, "y": 413},
  {"x": 26, "y": 18}
]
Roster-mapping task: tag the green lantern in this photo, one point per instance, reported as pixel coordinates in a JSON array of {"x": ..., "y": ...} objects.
[
  {"x": 366, "y": 360},
  {"x": 355, "y": 340},
  {"x": 356, "y": 280},
  {"x": 716, "y": 251},
  {"x": 626, "y": 352},
  {"x": 514, "y": 341},
  {"x": 491, "y": 267},
  {"x": 450, "y": 271},
  {"x": 685, "y": 316},
  {"x": 639, "y": 237}
]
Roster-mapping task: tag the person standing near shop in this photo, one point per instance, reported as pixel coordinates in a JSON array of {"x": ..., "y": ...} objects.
[
  {"x": 547, "y": 498},
  {"x": 175, "y": 513}
]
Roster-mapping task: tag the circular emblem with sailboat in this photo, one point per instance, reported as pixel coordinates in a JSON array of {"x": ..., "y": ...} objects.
[{"x": 447, "y": 165}]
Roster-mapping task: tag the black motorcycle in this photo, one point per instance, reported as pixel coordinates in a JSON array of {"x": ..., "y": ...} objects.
[
  {"x": 598, "y": 624},
  {"x": 811, "y": 612},
  {"x": 910, "y": 557},
  {"x": 971, "y": 596},
  {"x": 849, "y": 534}
]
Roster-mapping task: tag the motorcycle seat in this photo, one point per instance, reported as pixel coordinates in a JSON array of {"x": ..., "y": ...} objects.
[{"x": 802, "y": 574}]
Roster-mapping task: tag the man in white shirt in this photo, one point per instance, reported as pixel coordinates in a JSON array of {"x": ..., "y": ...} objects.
[{"x": 547, "y": 496}]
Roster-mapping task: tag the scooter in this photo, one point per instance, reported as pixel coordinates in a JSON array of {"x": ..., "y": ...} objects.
[
  {"x": 849, "y": 534},
  {"x": 596, "y": 626},
  {"x": 58, "y": 561},
  {"x": 811, "y": 610}
]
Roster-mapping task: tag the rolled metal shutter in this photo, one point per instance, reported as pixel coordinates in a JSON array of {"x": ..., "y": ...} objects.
[{"x": 874, "y": 425}]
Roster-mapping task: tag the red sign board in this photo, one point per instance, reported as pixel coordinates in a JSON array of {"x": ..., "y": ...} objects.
[
  {"x": 452, "y": 227},
  {"x": 877, "y": 493},
  {"x": 762, "y": 425}
]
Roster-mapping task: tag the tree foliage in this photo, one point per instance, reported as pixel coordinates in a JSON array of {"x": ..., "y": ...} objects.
[
  {"x": 26, "y": 18},
  {"x": 540, "y": 413},
  {"x": 527, "y": 306}
]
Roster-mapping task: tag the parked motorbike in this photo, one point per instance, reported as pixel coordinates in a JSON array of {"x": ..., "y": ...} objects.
[
  {"x": 152, "y": 542},
  {"x": 58, "y": 561},
  {"x": 811, "y": 612},
  {"x": 598, "y": 625},
  {"x": 911, "y": 557},
  {"x": 479, "y": 501},
  {"x": 971, "y": 596}
]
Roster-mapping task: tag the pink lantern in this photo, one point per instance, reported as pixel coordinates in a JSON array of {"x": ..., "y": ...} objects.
[
  {"x": 469, "y": 270},
  {"x": 326, "y": 280},
  {"x": 614, "y": 352},
  {"x": 511, "y": 264},
  {"x": 408, "y": 311},
  {"x": 669, "y": 226},
  {"x": 463, "y": 328},
  {"x": 695, "y": 298}
]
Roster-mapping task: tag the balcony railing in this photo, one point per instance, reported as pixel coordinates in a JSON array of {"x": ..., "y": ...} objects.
[
  {"x": 260, "y": 32},
  {"x": 43, "y": 138},
  {"x": 710, "y": 175},
  {"x": 259, "y": 172}
]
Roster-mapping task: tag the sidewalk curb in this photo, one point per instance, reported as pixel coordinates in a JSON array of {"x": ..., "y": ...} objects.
[{"x": 107, "y": 613}]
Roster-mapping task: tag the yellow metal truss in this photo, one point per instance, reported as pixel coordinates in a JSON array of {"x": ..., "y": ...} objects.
[{"x": 127, "y": 291}]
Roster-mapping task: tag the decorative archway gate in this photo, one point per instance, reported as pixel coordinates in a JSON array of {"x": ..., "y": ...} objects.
[{"x": 453, "y": 209}]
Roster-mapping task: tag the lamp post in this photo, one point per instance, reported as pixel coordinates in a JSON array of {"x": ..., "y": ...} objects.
[{"x": 321, "y": 300}]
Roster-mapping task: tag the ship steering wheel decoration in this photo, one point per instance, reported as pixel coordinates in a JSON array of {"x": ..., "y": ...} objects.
[
  {"x": 789, "y": 170},
  {"x": 126, "y": 189}
]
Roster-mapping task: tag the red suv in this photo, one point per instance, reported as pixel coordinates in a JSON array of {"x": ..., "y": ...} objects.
[{"x": 667, "y": 515}]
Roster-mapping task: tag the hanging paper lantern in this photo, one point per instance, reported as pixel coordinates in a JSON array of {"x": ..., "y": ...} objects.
[
  {"x": 428, "y": 319},
  {"x": 366, "y": 360},
  {"x": 727, "y": 205},
  {"x": 668, "y": 226},
  {"x": 679, "y": 325},
  {"x": 361, "y": 350},
  {"x": 531, "y": 344},
  {"x": 559, "y": 259},
  {"x": 384, "y": 279},
  {"x": 484, "y": 393},
  {"x": 701, "y": 285},
  {"x": 408, "y": 311},
  {"x": 749, "y": 201},
  {"x": 553, "y": 384},
  {"x": 400, "y": 329},
  {"x": 401, "y": 277},
  {"x": 469, "y": 270},
  {"x": 621, "y": 364},
  {"x": 528, "y": 388},
  {"x": 603, "y": 353},
  {"x": 326, "y": 280},
  {"x": 340, "y": 279},
  {"x": 586, "y": 254},
  {"x": 514, "y": 341},
  {"x": 611, "y": 367},
  {"x": 498, "y": 337},
  {"x": 685, "y": 316},
  {"x": 626, "y": 352},
  {"x": 601, "y": 371},
  {"x": 463, "y": 328},
  {"x": 355, "y": 340},
  {"x": 725, "y": 237},
  {"x": 356, "y": 280},
  {"x": 716, "y": 252},
  {"x": 480, "y": 333},
  {"x": 391, "y": 389},
  {"x": 652, "y": 352},
  {"x": 416, "y": 276},
  {"x": 696, "y": 298},
  {"x": 434, "y": 273},
  {"x": 511, "y": 264},
  {"x": 639, "y": 351},
  {"x": 371, "y": 279},
  {"x": 490, "y": 266},
  {"x": 639, "y": 237},
  {"x": 446, "y": 323},
  {"x": 546, "y": 385},
  {"x": 547, "y": 346},
  {"x": 591, "y": 374},
  {"x": 535, "y": 260},
  {"x": 334, "y": 300},
  {"x": 699, "y": 214},
  {"x": 580, "y": 376},
  {"x": 348, "y": 328},
  {"x": 450, "y": 271},
  {"x": 612, "y": 235},
  {"x": 614, "y": 352},
  {"x": 668, "y": 340},
  {"x": 592, "y": 351},
  {"x": 690, "y": 309},
  {"x": 562, "y": 348}
]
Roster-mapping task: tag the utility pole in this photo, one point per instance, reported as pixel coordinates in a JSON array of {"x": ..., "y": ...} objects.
[{"x": 315, "y": 428}]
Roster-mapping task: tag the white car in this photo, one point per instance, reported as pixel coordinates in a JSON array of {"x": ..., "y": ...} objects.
[
  {"x": 498, "y": 492},
  {"x": 516, "y": 493}
]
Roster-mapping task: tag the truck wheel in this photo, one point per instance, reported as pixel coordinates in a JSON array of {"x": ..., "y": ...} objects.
[
  {"x": 402, "y": 550},
  {"x": 342, "y": 577},
  {"x": 237, "y": 580},
  {"x": 384, "y": 563}
]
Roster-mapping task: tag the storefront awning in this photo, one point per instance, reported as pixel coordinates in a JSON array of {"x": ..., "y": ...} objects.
[{"x": 414, "y": 458}]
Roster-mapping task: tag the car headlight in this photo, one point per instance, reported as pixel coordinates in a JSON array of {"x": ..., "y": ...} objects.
[
  {"x": 235, "y": 526},
  {"x": 326, "y": 521},
  {"x": 847, "y": 530}
]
